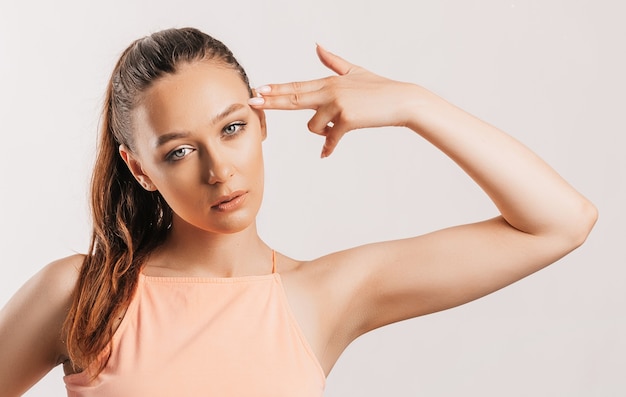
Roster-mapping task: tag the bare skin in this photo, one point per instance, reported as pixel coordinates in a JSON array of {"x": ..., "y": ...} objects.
[{"x": 212, "y": 177}]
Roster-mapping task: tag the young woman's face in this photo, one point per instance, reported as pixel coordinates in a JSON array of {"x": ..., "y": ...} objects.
[{"x": 199, "y": 144}]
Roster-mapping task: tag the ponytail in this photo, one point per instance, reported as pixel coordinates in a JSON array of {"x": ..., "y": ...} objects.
[{"x": 128, "y": 223}]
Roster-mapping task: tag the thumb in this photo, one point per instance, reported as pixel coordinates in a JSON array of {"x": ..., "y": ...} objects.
[
  {"x": 334, "y": 62},
  {"x": 332, "y": 139}
]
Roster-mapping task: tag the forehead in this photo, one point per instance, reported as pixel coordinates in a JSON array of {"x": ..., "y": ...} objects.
[{"x": 190, "y": 98}]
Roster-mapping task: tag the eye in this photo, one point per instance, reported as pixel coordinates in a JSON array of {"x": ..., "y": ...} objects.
[
  {"x": 178, "y": 154},
  {"x": 234, "y": 128}
]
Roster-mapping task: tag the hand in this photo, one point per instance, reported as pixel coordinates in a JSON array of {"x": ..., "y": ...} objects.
[{"x": 356, "y": 98}]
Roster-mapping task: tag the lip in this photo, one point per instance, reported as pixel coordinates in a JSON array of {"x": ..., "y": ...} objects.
[{"x": 230, "y": 201}]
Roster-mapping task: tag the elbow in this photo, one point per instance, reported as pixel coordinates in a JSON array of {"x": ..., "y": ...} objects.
[{"x": 582, "y": 223}]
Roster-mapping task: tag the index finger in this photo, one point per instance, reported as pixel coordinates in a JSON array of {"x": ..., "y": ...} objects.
[
  {"x": 289, "y": 99},
  {"x": 289, "y": 96}
]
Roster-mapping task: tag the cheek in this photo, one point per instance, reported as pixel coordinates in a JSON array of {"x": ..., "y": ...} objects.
[
  {"x": 248, "y": 154},
  {"x": 255, "y": 162}
]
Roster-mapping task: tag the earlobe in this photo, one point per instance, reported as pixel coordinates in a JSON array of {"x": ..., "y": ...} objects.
[{"x": 135, "y": 168}]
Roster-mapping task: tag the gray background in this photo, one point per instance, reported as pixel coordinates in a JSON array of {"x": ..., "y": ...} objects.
[{"x": 549, "y": 72}]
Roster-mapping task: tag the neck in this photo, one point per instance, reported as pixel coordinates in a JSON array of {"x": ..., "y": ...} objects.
[{"x": 189, "y": 251}]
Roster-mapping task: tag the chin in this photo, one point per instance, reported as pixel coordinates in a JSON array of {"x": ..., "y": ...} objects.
[
  {"x": 231, "y": 224},
  {"x": 216, "y": 222}
]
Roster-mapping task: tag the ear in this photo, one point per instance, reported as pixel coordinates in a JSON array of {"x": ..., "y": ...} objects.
[
  {"x": 135, "y": 168},
  {"x": 261, "y": 115}
]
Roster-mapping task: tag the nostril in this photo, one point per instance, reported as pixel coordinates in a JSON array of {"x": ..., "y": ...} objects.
[{"x": 220, "y": 173}]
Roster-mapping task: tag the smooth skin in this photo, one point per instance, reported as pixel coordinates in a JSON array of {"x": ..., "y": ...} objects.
[{"x": 340, "y": 296}]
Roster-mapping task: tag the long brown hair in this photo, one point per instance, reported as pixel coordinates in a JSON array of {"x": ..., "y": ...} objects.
[{"x": 128, "y": 221}]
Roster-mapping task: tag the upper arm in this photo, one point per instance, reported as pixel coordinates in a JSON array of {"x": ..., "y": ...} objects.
[
  {"x": 385, "y": 282},
  {"x": 31, "y": 325}
]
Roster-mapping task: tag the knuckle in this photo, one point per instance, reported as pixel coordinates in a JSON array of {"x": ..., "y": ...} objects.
[
  {"x": 331, "y": 80},
  {"x": 294, "y": 99},
  {"x": 296, "y": 86},
  {"x": 315, "y": 128}
]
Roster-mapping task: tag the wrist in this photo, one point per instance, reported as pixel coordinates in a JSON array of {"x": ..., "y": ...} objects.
[{"x": 421, "y": 106}]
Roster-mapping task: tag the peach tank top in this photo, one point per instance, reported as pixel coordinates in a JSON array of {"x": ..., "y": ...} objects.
[{"x": 206, "y": 337}]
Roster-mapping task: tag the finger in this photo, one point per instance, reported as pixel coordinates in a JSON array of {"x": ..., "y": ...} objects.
[
  {"x": 290, "y": 88},
  {"x": 334, "y": 62},
  {"x": 288, "y": 101},
  {"x": 334, "y": 135},
  {"x": 321, "y": 121}
]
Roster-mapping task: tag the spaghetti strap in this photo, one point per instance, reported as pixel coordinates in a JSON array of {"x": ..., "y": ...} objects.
[{"x": 273, "y": 261}]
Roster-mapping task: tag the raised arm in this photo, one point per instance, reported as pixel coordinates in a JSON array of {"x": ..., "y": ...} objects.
[
  {"x": 542, "y": 216},
  {"x": 31, "y": 342}
]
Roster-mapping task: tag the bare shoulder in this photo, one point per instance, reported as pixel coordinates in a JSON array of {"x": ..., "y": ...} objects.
[
  {"x": 61, "y": 275},
  {"x": 50, "y": 288},
  {"x": 54, "y": 284},
  {"x": 332, "y": 272},
  {"x": 31, "y": 325}
]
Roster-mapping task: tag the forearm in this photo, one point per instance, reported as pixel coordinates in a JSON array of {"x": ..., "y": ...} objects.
[{"x": 530, "y": 195}]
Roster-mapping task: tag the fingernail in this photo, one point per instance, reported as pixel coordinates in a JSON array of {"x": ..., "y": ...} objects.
[
  {"x": 264, "y": 89},
  {"x": 256, "y": 101},
  {"x": 318, "y": 45}
]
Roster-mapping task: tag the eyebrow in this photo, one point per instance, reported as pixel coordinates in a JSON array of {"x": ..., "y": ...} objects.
[
  {"x": 163, "y": 139},
  {"x": 223, "y": 114}
]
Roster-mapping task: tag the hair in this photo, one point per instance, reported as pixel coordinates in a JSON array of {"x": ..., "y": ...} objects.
[{"x": 129, "y": 222}]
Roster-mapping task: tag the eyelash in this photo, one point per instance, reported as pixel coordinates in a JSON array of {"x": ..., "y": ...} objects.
[
  {"x": 172, "y": 157},
  {"x": 240, "y": 127}
]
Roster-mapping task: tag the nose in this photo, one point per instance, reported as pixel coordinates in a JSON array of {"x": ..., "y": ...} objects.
[{"x": 217, "y": 166}]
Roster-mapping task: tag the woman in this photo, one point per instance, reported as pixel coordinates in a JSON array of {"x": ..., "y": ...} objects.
[{"x": 178, "y": 295}]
